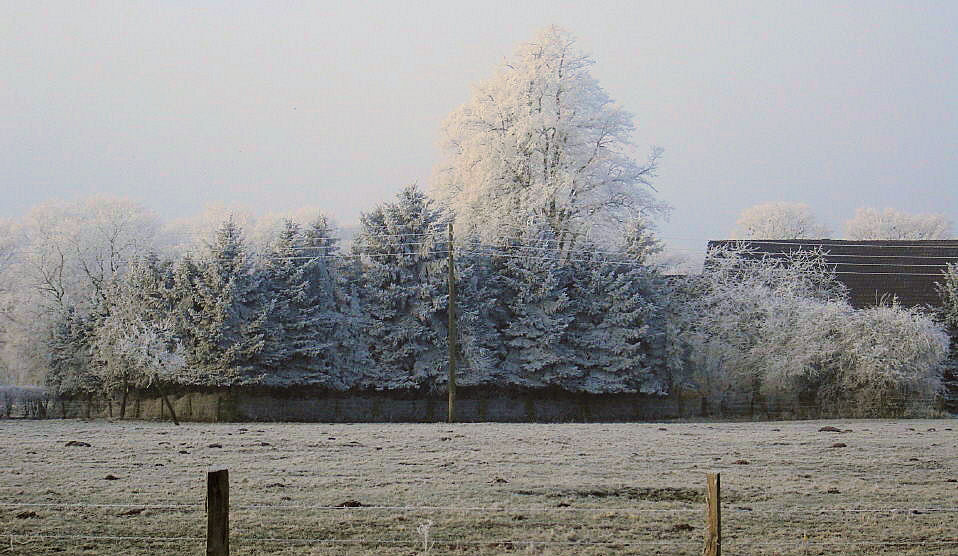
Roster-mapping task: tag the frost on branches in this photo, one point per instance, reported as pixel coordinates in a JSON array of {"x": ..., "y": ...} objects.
[
  {"x": 778, "y": 221},
  {"x": 778, "y": 332},
  {"x": 891, "y": 224},
  {"x": 403, "y": 272},
  {"x": 220, "y": 316},
  {"x": 948, "y": 292},
  {"x": 534, "y": 319},
  {"x": 135, "y": 343},
  {"x": 309, "y": 335},
  {"x": 541, "y": 139}
]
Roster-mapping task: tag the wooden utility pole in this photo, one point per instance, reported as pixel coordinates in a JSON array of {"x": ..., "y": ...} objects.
[
  {"x": 713, "y": 536},
  {"x": 218, "y": 513},
  {"x": 453, "y": 333}
]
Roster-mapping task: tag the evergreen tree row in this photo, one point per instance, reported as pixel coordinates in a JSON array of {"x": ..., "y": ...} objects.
[{"x": 305, "y": 313}]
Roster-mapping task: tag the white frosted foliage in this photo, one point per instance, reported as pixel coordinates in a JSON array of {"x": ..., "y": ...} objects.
[
  {"x": 541, "y": 139},
  {"x": 780, "y": 220},
  {"x": 892, "y": 224}
]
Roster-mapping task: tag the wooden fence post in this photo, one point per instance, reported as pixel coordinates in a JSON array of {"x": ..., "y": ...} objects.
[
  {"x": 218, "y": 513},
  {"x": 713, "y": 536}
]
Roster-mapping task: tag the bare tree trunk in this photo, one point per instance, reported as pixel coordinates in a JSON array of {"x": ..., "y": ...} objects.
[
  {"x": 126, "y": 391},
  {"x": 169, "y": 406}
]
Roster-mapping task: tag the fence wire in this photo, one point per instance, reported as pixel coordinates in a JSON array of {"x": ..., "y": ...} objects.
[{"x": 482, "y": 509}]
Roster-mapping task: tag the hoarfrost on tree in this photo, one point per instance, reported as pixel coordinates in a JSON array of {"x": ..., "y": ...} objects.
[
  {"x": 779, "y": 220},
  {"x": 402, "y": 251},
  {"x": 779, "y": 330},
  {"x": 892, "y": 224},
  {"x": 541, "y": 139},
  {"x": 220, "y": 313}
]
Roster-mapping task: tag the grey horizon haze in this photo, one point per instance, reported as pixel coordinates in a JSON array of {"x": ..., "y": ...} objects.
[{"x": 178, "y": 104}]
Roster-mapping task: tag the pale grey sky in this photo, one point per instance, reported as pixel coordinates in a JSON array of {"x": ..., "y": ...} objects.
[{"x": 278, "y": 105}]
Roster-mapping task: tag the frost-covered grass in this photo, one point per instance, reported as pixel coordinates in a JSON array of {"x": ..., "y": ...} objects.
[{"x": 793, "y": 480}]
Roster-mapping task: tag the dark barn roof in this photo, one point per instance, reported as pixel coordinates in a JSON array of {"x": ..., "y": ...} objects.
[{"x": 873, "y": 270}]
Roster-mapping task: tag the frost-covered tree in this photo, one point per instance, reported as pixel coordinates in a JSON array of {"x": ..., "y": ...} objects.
[
  {"x": 640, "y": 244},
  {"x": 581, "y": 322},
  {"x": 8, "y": 299},
  {"x": 725, "y": 310},
  {"x": 779, "y": 330},
  {"x": 780, "y": 220},
  {"x": 542, "y": 139},
  {"x": 886, "y": 356},
  {"x": 290, "y": 327},
  {"x": 403, "y": 262},
  {"x": 8, "y": 250},
  {"x": 536, "y": 294},
  {"x": 870, "y": 224},
  {"x": 221, "y": 313},
  {"x": 65, "y": 257},
  {"x": 482, "y": 314},
  {"x": 74, "y": 250},
  {"x": 135, "y": 345},
  {"x": 948, "y": 291},
  {"x": 614, "y": 333},
  {"x": 335, "y": 282},
  {"x": 190, "y": 233},
  {"x": 310, "y": 337},
  {"x": 68, "y": 347}
]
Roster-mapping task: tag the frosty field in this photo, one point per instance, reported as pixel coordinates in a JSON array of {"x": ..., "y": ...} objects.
[{"x": 486, "y": 488}]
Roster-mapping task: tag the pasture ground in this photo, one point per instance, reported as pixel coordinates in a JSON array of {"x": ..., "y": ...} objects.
[{"x": 787, "y": 487}]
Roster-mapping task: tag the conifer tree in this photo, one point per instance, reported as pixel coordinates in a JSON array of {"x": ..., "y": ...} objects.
[
  {"x": 482, "y": 316},
  {"x": 403, "y": 271},
  {"x": 221, "y": 316},
  {"x": 334, "y": 286},
  {"x": 308, "y": 339},
  {"x": 612, "y": 335},
  {"x": 535, "y": 285},
  {"x": 70, "y": 371}
]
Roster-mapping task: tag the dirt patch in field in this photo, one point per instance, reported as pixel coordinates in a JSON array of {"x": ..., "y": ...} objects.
[{"x": 653, "y": 494}]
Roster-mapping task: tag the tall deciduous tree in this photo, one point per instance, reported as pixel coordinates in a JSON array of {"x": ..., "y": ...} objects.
[
  {"x": 67, "y": 255},
  {"x": 76, "y": 249},
  {"x": 870, "y": 223},
  {"x": 541, "y": 139},
  {"x": 778, "y": 220}
]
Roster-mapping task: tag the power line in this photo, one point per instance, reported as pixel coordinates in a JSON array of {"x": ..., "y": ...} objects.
[
  {"x": 212, "y": 234},
  {"x": 822, "y": 245}
]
